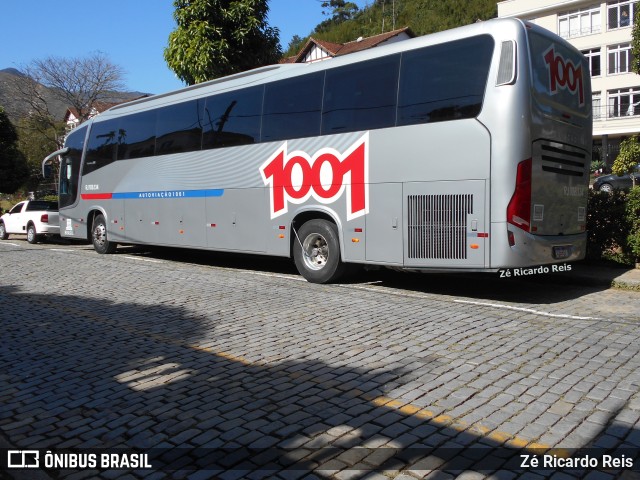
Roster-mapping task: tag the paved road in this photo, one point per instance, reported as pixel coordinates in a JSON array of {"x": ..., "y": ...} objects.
[{"x": 184, "y": 354}]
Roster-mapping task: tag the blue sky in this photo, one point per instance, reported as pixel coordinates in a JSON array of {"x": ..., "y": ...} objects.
[{"x": 133, "y": 33}]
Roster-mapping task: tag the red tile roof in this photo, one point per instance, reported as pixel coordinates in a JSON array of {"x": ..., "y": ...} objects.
[{"x": 338, "y": 49}]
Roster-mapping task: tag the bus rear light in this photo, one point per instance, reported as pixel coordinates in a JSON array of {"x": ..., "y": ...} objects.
[
  {"x": 519, "y": 209},
  {"x": 44, "y": 218}
]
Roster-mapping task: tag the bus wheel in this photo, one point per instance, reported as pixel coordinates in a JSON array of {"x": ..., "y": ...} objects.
[
  {"x": 99, "y": 236},
  {"x": 316, "y": 252}
]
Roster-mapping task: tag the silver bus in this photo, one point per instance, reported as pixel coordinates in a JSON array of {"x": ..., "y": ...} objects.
[{"x": 464, "y": 150}]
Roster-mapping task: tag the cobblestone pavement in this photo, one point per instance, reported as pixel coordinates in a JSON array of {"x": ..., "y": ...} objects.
[{"x": 387, "y": 376}]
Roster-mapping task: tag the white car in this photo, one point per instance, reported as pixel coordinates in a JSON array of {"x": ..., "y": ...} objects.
[{"x": 35, "y": 218}]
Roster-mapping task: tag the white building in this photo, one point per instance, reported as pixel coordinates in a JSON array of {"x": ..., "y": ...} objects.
[{"x": 602, "y": 31}]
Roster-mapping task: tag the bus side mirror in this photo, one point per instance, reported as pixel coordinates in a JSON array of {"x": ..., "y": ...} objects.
[{"x": 45, "y": 163}]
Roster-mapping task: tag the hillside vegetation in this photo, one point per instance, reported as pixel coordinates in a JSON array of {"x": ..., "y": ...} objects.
[{"x": 422, "y": 16}]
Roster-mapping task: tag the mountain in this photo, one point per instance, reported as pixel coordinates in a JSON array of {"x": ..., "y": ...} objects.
[{"x": 422, "y": 16}]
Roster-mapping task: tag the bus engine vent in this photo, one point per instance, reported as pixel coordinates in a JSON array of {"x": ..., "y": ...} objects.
[
  {"x": 558, "y": 158},
  {"x": 438, "y": 226}
]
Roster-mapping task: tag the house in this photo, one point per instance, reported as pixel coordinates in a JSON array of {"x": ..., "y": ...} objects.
[
  {"x": 601, "y": 30},
  {"x": 317, "y": 50},
  {"x": 72, "y": 116}
]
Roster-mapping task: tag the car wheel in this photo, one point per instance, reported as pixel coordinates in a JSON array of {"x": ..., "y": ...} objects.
[
  {"x": 101, "y": 243},
  {"x": 3, "y": 232},
  {"x": 32, "y": 236},
  {"x": 316, "y": 252},
  {"x": 606, "y": 187}
]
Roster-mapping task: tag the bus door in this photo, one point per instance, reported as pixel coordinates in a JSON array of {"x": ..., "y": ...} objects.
[{"x": 445, "y": 224}]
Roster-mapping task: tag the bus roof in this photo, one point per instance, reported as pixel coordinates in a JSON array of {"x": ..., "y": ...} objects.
[{"x": 269, "y": 73}]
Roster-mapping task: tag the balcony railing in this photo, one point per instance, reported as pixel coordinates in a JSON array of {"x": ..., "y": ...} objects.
[{"x": 616, "y": 111}]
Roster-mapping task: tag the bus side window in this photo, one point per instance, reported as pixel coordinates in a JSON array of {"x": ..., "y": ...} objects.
[
  {"x": 292, "y": 108},
  {"x": 137, "y": 135},
  {"x": 361, "y": 96},
  {"x": 179, "y": 127},
  {"x": 233, "y": 118},
  {"x": 102, "y": 148},
  {"x": 444, "y": 82}
]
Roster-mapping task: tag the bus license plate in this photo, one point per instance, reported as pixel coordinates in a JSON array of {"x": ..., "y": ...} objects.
[{"x": 562, "y": 252}]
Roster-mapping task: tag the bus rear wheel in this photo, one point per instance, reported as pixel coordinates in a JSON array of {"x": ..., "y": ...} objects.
[
  {"x": 101, "y": 243},
  {"x": 316, "y": 252}
]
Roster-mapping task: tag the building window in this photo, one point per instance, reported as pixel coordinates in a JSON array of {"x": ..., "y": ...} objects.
[
  {"x": 620, "y": 13},
  {"x": 596, "y": 102},
  {"x": 624, "y": 102},
  {"x": 593, "y": 57},
  {"x": 580, "y": 22},
  {"x": 620, "y": 58}
]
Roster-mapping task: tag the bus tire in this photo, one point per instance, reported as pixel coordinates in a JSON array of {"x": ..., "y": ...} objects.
[
  {"x": 316, "y": 252},
  {"x": 101, "y": 243}
]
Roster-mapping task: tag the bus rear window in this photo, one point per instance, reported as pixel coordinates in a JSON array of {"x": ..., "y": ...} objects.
[
  {"x": 560, "y": 74},
  {"x": 444, "y": 82}
]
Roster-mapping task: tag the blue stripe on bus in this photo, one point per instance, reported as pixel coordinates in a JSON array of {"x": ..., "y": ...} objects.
[{"x": 166, "y": 194}]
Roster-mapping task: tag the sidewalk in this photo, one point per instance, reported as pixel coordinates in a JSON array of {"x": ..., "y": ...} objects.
[{"x": 604, "y": 275}]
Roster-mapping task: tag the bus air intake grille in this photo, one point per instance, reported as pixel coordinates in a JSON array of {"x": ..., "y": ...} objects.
[
  {"x": 438, "y": 226},
  {"x": 557, "y": 158}
]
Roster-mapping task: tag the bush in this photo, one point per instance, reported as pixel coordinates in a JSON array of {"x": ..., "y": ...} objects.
[
  {"x": 632, "y": 214},
  {"x": 608, "y": 226}
]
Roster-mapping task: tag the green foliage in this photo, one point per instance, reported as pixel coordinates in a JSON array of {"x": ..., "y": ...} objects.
[
  {"x": 607, "y": 227},
  {"x": 37, "y": 138},
  {"x": 295, "y": 45},
  {"x": 13, "y": 165},
  {"x": 423, "y": 16},
  {"x": 628, "y": 158},
  {"x": 215, "y": 38},
  {"x": 597, "y": 165},
  {"x": 632, "y": 214},
  {"x": 635, "y": 43}
]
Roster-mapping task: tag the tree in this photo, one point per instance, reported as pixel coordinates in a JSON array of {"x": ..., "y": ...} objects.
[
  {"x": 339, "y": 10},
  {"x": 36, "y": 140},
  {"x": 215, "y": 38},
  {"x": 78, "y": 83},
  {"x": 295, "y": 45},
  {"x": 13, "y": 165},
  {"x": 628, "y": 158}
]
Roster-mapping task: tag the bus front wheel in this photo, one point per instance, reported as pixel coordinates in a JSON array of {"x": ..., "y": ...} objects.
[
  {"x": 101, "y": 243},
  {"x": 316, "y": 252}
]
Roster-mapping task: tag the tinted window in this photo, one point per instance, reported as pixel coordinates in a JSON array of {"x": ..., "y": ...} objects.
[
  {"x": 70, "y": 167},
  {"x": 179, "y": 128},
  {"x": 292, "y": 108},
  {"x": 103, "y": 143},
  {"x": 233, "y": 118},
  {"x": 444, "y": 82},
  {"x": 36, "y": 205},
  {"x": 361, "y": 96},
  {"x": 137, "y": 135}
]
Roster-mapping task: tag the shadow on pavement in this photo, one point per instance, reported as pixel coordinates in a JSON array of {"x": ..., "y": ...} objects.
[{"x": 80, "y": 373}]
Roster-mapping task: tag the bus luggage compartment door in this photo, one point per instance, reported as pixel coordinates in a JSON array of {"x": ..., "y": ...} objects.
[{"x": 445, "y": 224}]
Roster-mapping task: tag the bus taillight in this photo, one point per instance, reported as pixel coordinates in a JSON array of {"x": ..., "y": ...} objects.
[{"x": 519, "y": 209}]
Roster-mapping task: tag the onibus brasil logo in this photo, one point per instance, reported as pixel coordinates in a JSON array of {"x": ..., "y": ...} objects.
[
  {"x": 564, "y": 75},
  {"x": 294, "y": 177}
]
